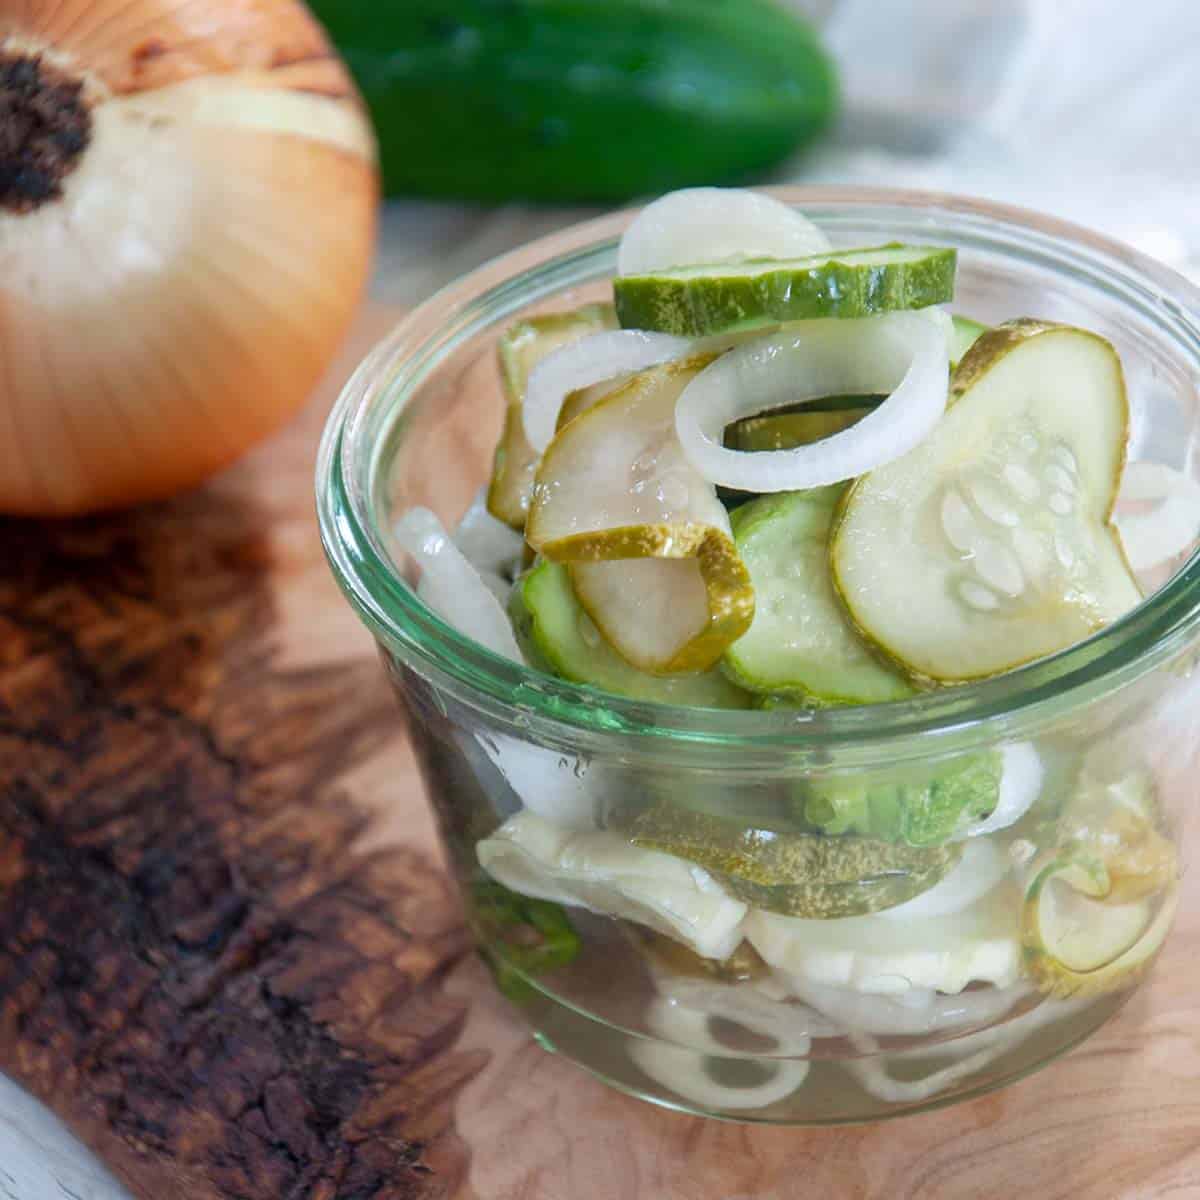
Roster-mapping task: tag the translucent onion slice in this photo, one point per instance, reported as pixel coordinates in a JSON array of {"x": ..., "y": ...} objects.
[
  {"x": 884, "y": 957},
  {"x": 1020, "y": 785},
  {"x": 602, "y": 872},
  {"x": 917, "y": 1013},
  {"x": 651, "y": 552},
  {"x": 790, "y": 1026},
  {"x": 902, "y": 354},
  {"x": 1171, "y": 527},
  {"x": 493, "y": 548},
  {"x": 452, "y": 587},
  {"x": 558, "y": 787},
  {"x": 968, "y": 1055},
  {"x": 689, "y": 1072},
  {"x": 582, "y": 364},
  {"x": 982, "y": 866},
  {"x": 710, "y": 225}
]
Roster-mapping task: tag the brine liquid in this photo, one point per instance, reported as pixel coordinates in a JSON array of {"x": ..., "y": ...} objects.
[{"x": 599, "y": 1010}]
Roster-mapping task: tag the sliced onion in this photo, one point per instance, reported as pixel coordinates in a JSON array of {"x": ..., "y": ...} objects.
[
  {"x": 791, "y": 1026},
  {"x": 591, "y": 360},
  {"x": 603, "y": 873},
  {"x": 901, "y": 353},
  {"x": 493, "y": 548},
  {"x": 980, "y": 943},
  {"x": 982, "y": 866},
  {"x": 1168, "y": 530},
  {"x": 452, "y": 587},
  {"x": 914, "y": 1014},
  {"x": 712, "y": 225},
  {"x": 687, "y": 1071},
  {"x": 557, "y": 787},
  {"x": 978, "y": 1050},
  {"x": 1020, "y": 785}
]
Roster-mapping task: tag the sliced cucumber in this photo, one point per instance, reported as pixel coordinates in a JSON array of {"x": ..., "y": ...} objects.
[
  {"x": 649, "y": 544},
  {"x": 923, "y": 807},
  {"x": 796, "y": 874},
  {"x": 800, "y": 640},
  {"x": 520, "y": 350},
  {"x": 801, "y": 425},
  {"x": 549, "y": 617},
  {"x": 990, "y": 545},
  {"x": 1078, "y": 940},
  {"x": 723, "y": 298},
  {"x": 964, "y": 334}
]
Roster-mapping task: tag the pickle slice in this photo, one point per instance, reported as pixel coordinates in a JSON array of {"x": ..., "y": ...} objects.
[
  {"x": 800, "y": 640},
  {"x": 990, "y": 544},
  {"x": 549, "y": 620},
  {"x": 649, "y": 545},
  {"x": 964, "y": 334},
  {"x": 794, "y": 874},
  {"x": 801, "y": 425},
  {"x": 726, "y": 297},
  {"x": 1099, "y": 905},
  {"x": 1077, "y": 941},
  {"x": 520, "y": 350}
]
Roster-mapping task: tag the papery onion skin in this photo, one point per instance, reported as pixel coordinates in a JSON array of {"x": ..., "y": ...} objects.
[{"x": 212, "y": 240}]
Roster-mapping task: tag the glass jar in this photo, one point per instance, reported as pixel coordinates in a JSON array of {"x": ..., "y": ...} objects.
[{"x": 692, "y": 975}]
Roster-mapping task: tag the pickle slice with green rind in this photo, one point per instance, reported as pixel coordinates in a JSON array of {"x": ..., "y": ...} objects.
[
  {"x": 919, "y": 807},
  {"x": 1099, "y": 905},
  {"x": 785, "y": 429},
  {"x": 520, "y": 350},
  {"x": 550, "y": 621},
  {"x": 1077, "y": 941},
  {"x": 649, "y": 545},
  {"x": 795, "y": 874},
  {"x": 699, "y": 301},
  {"x": 990, "y": 544},
  {"x": 800, "y": 640},
  {"x": 963, "y": 335}
]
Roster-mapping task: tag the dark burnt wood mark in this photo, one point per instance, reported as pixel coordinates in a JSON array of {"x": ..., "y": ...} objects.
[{"x": 197, "y": 970}]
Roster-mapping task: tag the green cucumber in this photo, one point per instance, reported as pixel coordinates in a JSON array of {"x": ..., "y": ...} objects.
[
  {"x": 520, "y": 936},
  {"x": 990, "y": 545},
  {"x": 552, "y": 623},
  {"x": 964, "y": 335},
  {"x": 795, "y": 874},
  {"x": 799, "y": 425},
  {"x": 580, "y": 100},
  {"x": 717, "y": 299},
  {"x": 800, "y": 641},
  {"x": 522, "y": 347},
  {"x": 919, "y": 807}
]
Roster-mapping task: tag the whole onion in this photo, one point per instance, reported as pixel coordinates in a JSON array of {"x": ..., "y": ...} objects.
[{"x": 187, "y": 201}]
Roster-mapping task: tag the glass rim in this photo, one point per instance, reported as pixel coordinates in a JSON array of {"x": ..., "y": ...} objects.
[{"x": 557, "y": 710}]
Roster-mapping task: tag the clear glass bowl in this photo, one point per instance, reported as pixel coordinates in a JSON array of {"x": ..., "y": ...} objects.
[{"x": 808, "y": 1021}]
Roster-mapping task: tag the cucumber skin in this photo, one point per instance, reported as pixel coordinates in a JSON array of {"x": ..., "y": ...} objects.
[
  {"x": 701, "y": 306},
  {"x": 580, "y": 100},
  {"x": 545, "y": 615}
]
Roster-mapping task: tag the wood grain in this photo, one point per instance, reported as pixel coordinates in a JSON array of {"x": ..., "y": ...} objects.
[
  {"x": 201, "y": 969},
  {"x": 1118, "y": 1119}
]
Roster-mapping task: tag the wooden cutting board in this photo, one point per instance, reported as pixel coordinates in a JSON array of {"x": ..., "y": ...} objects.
[{"x": 228, "y": 957}]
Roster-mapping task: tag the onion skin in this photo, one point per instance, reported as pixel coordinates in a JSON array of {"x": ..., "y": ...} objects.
[{"x": 186, "y": 292}]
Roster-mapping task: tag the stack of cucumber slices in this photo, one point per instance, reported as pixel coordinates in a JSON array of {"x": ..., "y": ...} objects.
[{"x": 777, "y": 474}]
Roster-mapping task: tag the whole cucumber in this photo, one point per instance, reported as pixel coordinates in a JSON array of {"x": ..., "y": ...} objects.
[{"x": 580, "y": 100}]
